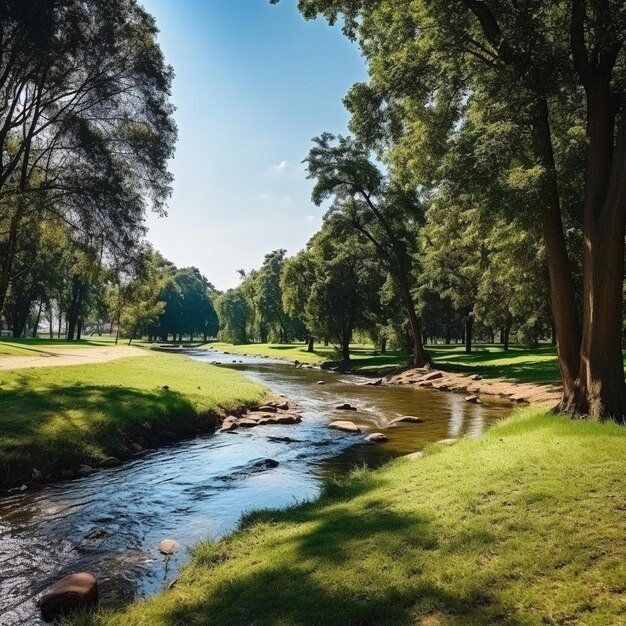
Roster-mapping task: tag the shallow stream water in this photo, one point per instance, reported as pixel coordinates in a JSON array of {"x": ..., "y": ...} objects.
[{"x": 112, "y": 522}]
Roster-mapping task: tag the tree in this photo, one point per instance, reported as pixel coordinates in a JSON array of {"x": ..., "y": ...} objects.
[
  {"x": 384, "y": 213},
  {"x": 296, "y": 280},
  {"x": 549, "y": 77},
  {"x": 86, "y": 127},
  {"x": 345, "y": 290},
  {"x": 234, "y": 312},
  {"x": 268, "y": 297}
]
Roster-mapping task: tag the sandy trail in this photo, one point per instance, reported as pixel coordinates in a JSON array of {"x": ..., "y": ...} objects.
[{"x": 70, "y": 356}]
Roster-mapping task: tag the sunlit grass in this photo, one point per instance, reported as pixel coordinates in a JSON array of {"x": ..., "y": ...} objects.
[
  {"x": 27, "y": 346},
  {"x": 519, "y": 363},
  {"x": 524, "y": 526},
  {"x": 58, "y": 417}
]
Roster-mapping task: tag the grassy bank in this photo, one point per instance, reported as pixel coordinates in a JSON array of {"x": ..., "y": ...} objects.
[
  {"x": 524, "y": 526},
  {"x": 60, "y": 417},
  {"x": 41, "y": 346},
  {"x": 363, "y": 356},
  {"x": 520, "y": 363}
]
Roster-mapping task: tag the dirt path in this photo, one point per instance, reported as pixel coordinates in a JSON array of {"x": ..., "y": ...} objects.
[
  {"x": 70, "y": 356},
  {"x": 531, "y": 393}
]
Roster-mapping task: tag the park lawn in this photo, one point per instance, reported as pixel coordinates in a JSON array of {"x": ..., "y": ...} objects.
[
  {"x": 363, "y": 356},
  {"x": 26, "y": 346},
  {"x": 524, "y": 526},
  {"x": 57, "y": 418}
]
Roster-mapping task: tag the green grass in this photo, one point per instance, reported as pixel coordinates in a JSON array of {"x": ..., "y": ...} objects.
[
  {"x": 522, "y": 527},
  {"x": 519, "y": 363},
  {"x": 26, "y": 346},
  {"x": 59, "y": 417},
  {"x": 363, "y": 356},
  {"x": 539, "y": 365}
]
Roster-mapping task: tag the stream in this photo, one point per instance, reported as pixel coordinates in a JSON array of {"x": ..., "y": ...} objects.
[{"x": 111, "y": 523}]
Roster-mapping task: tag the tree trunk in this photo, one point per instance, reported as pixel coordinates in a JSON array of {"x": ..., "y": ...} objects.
[
  {"x": 505, "y": 342},
  {"x": 383, "y": 345},
  {"x": 600, "y": 390},
  {"x": 311, "y": 344},
  {"x": 79, "y": 328},
  {"x": 72, "y": 318},
  {"x": 562, "y": 291},
  {"x": 345, "y": 345},
  {"x": 469, "y": 327},
  {"x": 9, "y": 255},
  {"x": 37, "y": 319}
]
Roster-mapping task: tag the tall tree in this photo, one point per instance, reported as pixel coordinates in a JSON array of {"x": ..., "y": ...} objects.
[
  {"x": 385, "y": 214},
  {"x": 86, "y": 127},
  {"x": 542, "y": 70}
]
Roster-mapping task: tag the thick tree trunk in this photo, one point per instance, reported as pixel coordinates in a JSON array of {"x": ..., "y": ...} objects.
[
  {"x": 562, "y": 290},
  {"x": 310, "y": 345},
  {"x": 383, "y": 345},
  {"x": 600, "y": 390},
  {"x": 505, "y": 342}
]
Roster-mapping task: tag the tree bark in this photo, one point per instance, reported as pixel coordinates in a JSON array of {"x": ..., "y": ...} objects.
[
  {"x": 469, "y": 328},
  {"x": 562, "y": 290},
  {"x": 37, "y": 319},
  {"x": 311, "y": 342}
]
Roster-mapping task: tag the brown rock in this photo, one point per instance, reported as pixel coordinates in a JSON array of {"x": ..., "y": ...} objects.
[
  {"x": 168, "y": 547},
  {"x": 433, "y": 376},
  {"x": 267, "y": 408},
  {"x": 67, "y": 473},
  {"x": 376, "y": 438},
  {"x": 345, "y": 407},
  {"x": 110, "y": 461},
  {"x": 407, "y": 418},
  {"x": 472, "y": 399},
  {"x": 135, "y": 447},
  {"x": 85, "y": 470},
  {"x": 284, "y": 406},
  {"x": 345, "y": 426},
  {"x": 72, "y": 593},
  {"x": 247, "y": 423},
  {"x": 228, "y": 426},
  {"x": 414, "y": 455},
  {"x": 287, "y": 419}
]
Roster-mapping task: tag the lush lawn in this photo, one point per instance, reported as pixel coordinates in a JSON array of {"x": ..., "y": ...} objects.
[
  {"x": 41, "y": 346},
  {"x": 59, "y": 417},
  {"x": 519, "y": 363},
  {"x": 524, "y": 526},
  {"x": 363, "y": 356}
]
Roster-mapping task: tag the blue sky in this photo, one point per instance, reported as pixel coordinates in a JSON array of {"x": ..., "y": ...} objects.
[{"x": 254, "y": 83}]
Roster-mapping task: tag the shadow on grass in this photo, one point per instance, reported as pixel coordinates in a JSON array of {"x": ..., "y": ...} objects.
[
  {"x": 336, "y": 564},
  {"x": 536, "y": 365},
  {"x": 60, "y": 426}
]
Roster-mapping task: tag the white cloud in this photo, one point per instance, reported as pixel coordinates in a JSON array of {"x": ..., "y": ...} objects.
[
  {"x": 279, "y": 168},
  {"x": 310, "y": 218}
]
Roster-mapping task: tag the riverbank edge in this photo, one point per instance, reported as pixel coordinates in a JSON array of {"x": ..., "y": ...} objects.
[
  {"x": 172, "y": 428},
  {"x": 227, "y": 581},
  {"x": 471, "y": 385}
]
